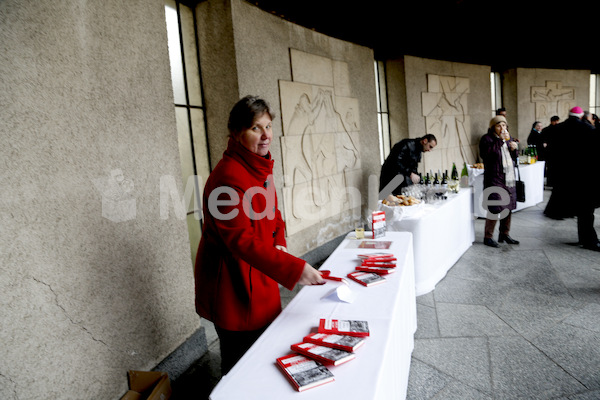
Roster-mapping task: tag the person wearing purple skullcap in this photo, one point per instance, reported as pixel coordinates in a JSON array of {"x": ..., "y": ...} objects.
[{"x": 572, "y": 193}]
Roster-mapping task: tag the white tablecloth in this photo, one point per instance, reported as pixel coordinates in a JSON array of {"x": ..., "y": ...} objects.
[
  {"x": 381, "y": 367},
  {"x": 531, "y": 174},
  {"x": 441, "y": 234}
]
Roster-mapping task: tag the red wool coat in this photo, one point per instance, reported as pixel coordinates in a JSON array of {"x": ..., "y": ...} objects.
[{"x": 238, "y": 268}]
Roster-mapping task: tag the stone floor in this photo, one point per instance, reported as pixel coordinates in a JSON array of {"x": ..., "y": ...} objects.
[{"x": 514, "y": 322}]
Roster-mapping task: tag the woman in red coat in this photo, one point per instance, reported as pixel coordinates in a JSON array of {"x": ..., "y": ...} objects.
[{"x": 242, "y": 255}]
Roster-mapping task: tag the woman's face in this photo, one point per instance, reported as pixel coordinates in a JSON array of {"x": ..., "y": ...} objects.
[
  {"x": 258, "y": 137},
  {"x": 499, "y": 127}
]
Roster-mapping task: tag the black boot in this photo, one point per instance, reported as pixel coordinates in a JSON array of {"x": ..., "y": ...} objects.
[
  {"x": 490, "y": 242},
  {"x": 595, "y": 246},
  {"x": 505, "y": 238}
]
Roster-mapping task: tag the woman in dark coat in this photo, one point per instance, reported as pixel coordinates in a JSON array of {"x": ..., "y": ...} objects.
[
  {"x": 242, "y": 256},
  {"x": 535, "y": 138},
  {"x": 499, "y": 153}
]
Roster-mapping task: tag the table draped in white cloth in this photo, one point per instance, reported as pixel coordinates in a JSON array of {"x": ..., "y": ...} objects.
[
  {"x": 442, "y": 232},
  {"x": 381, "y": 367},
  {"x": 531, "y": 174}
]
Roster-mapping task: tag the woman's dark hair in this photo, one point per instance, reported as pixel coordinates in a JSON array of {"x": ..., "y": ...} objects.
[
  {"x": 244, "y": 112},
  {"x": 534, "y": 124}
]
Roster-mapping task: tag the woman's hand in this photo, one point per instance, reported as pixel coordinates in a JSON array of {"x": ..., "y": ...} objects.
[
  {"x": 513, "y": 145},
  {"x": 311, "y": 276}
]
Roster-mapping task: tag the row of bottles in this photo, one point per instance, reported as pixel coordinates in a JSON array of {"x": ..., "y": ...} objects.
[
  {"x": 529, "y": 155},
  {"x": 444, "y": 181},
  {"x": 434, "y": 179}
]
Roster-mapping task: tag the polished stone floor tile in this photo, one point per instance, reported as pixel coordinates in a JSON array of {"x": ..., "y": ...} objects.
[
  {"x": 587, "y": 318},
  {"x": 426, "y": 382},
  {"x": 575, "y": 350},
  {"x": 531, "y": 313},
  {"x": 428, "y": 323},
  {"x": 520, "y": 370},
  {"x": 466, "y": 291},
  {"x": 459, "y": 391},
  {"x": 467, "y": 320},
  {"x": 464, "y": 359},
  {"x": 591, "y": 395}
]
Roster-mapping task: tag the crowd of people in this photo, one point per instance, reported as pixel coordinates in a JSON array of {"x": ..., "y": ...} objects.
[
  {"x": 572, "y": 194},
  {"x": 242, "y": 257}
]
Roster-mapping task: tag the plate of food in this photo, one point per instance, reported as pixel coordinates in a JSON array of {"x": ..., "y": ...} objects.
[{"x": 397, "y": 207}]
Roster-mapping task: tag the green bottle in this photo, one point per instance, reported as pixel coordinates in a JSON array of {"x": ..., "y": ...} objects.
[
  {"x": 454, "y": 175},
  {"x": 464, "y": 176}
]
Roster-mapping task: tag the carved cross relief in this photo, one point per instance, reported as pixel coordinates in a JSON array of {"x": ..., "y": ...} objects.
[
  {"x": 552, "y": 99},
  {"x": 444, "y": 107}
]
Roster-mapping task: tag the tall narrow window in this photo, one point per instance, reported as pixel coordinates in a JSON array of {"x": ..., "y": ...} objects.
[
  {"x": 496, "y": 92},
  {"x": 383, "y": 119},
  {"x": 189, "y": 109},
  {"x": 595, "y": 94}
]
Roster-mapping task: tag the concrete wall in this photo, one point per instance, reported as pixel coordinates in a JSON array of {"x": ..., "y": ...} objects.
[
  {"x": 452, "y": 146},
  {"x": 542, "y": 93},
  {"x": 93, "y": 281},
  {"x": 510, "y": 101},
  {"x": 396, "y": 85},
  {"x": 262, "y": 44}
]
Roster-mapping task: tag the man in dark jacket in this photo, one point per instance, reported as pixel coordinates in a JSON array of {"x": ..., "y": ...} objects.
[
  {"x": 404, "y": 160},
  {"x": 573, "y": 194},
  {"x": 560, "y": 203}
]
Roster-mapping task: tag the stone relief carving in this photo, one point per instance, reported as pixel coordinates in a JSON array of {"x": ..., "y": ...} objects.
[
  {"x": 552, "y": 99},
  {"x": 320, "y": 142},
  {"x": 446, "y": 113}
]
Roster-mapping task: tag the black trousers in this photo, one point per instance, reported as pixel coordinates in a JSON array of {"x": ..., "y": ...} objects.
[
  {"x": 234, "y": 345},
  {"x": 585, "y": 226},
  {"x": 490, "y": 224}
]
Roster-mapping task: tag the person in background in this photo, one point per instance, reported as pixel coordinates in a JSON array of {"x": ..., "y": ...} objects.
[
  {"x": 596, "y": 121},
  {"x": 499, "y": 153},
  {"x": 242, "y": 256},
  {"x": 560, "y": 201},
  {"x": 551, "y": 148},
  {"x": 588, "y": 118},
  {"x": 535, "y": 138},
  {"x": 577, "y": 195},
  {"x": 502, "y": 112},
  {"x": 403, "y": 160}
]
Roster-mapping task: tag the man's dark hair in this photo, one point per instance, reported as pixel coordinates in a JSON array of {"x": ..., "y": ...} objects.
[
  {"x": 501, "y": 109},
  {"x": 430, "y": 137},
  {"x": 554, "y": 118},
  {"x": 244, "y": 112}
]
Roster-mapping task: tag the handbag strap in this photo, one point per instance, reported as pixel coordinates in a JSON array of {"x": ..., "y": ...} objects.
[{"x": 518, "y": 168}]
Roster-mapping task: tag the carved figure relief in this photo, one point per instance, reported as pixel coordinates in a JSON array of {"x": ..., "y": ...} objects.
[
  {"x": 321, "y": 160},
  {"x": 444, "y": 107},
  {"x": 552, "y": 99}
]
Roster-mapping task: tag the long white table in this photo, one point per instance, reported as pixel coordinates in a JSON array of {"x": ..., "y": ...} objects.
[
  {"x": 381, "y": 367},
  {"x": 531, "y": 174},
  {"x": 442, "y": 232}
]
